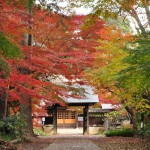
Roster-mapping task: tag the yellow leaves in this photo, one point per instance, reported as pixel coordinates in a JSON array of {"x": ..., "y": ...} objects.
[
  {"x": 143, "y": 106},
  {"x": 108, "y": 63},
  {"x": 112, "y": 44},
  {"x": 115, "y": 35},
  {"x": 145, "y": 2},
  {"x": 89, "y": 21},
  {"x": 111, "y": 49}
]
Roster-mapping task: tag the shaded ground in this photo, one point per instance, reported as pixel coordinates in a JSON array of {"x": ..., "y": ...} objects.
[
  {"x": 122, "y": 143},
  {"x": 35, "y": 144},
  {"x": 105, "y": 143}
]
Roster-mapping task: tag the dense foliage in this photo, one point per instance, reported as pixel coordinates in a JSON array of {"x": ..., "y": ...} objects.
[
  {"x": 38, "y": 47},
  {"x": 120, "y": 132},
  {"x": 134, "y": 78},
  {"x": 13, "y": 126}
]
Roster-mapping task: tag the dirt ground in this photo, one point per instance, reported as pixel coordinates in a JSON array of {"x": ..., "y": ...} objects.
[
  {"x": 122, "y": 143},
  {"x": 105, "y": 143},
  {"x": 35, "y": 144}
]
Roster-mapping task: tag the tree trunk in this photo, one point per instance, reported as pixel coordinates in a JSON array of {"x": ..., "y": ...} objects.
[
  {"x": 3, "y": 103},
  {"x": 26, "y": 109},
  {"x": 133, "y": 13},
  {"x": 148, "y": 14},
  {"x": 133, "y": 117},
  {"x": 134, "y": 121},
  {"x": 3, "y": 107}
]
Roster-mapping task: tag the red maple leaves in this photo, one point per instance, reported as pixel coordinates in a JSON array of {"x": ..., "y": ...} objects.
[{"x": 60, "y": 47}]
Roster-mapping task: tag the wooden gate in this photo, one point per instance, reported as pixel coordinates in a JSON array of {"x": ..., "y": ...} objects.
[{"x": 66, "y": 117}]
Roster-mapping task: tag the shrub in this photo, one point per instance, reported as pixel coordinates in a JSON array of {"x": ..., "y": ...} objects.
[
  {"x": 143, "y": 133},
  {"x": 120, "y": 132},
  {"x": 39, "y": 132},
  {"x": 13, "y": 125},
  {"x": 6, "y": 137}
]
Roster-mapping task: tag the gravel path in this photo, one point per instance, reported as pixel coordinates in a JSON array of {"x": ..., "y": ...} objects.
[
  {"x": 76, "y": 142},
  {"x": 88, "y": 142},
  {"x": 72, "y": 144}
]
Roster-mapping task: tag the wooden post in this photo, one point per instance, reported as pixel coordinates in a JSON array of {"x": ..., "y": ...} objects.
[
  {"x": 64, "y": 118},
  {"x": 86, "y": 120},
  {"x": 106, "y": 124},
  {"x": 142, "y": 124},
  {"x": 55, "y": 119},
  {"x": 76, "y": 114}
]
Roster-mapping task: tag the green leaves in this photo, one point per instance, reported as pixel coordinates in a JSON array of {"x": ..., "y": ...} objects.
[
  {"x": 30, "y": 3},
  {"x": 4, "y": 68},
  {"x": 14, "y": 125},
  {"x": 134, "y": 79},
  {"x": 137, "y": 74},
  {"x": 7, "y": 49},
  {"x": 120, "y": 132}
]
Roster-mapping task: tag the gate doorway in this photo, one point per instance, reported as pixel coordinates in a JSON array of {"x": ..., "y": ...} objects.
[
  {"x": 68, "y": 123},
  {"x": 66, "y": 118}
]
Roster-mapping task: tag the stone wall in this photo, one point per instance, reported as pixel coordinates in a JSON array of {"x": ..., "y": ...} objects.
[{"x": 96, "y": 130}]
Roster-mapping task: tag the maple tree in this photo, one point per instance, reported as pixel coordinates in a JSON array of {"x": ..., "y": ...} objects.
[
  {"x": 129, "y": 80},
  {"x": 107, "y": 69},
  {"x": 137, "y": 10},
  {"x": 108, "y": 61},
  {"x": 120, "y": 73},
  {"x": 8, "y": 50},
  {"x": 57, "y": 46}
]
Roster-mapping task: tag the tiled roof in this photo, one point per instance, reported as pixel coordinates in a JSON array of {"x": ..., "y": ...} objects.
[{"x": 89, "y": 96}]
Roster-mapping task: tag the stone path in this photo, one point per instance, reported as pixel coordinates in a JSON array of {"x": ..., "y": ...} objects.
[{"x": 72, "y": 144}]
